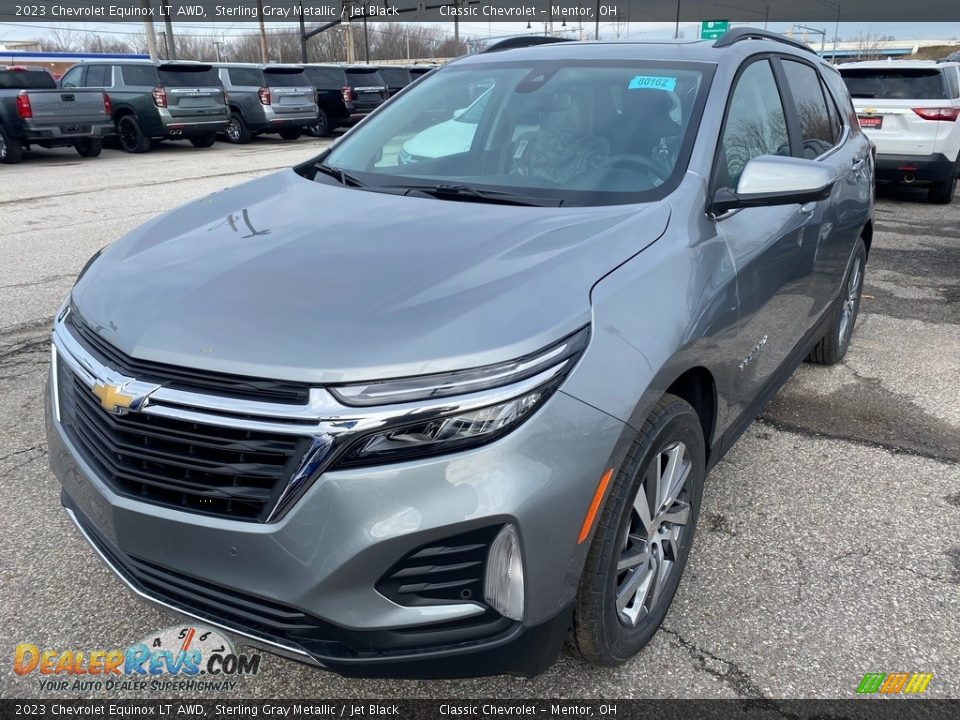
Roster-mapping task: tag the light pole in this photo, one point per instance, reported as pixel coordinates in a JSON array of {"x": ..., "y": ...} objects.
[
  {"x": 818, "y": 31},
  {"x": 836, "y": 28}
]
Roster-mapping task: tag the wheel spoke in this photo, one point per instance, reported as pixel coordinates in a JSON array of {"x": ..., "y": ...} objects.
[
  {"x": 677, "y": 514},
  {"x": 634, "y": 556},
  {"x": 674, "y": 476},
  {"x": 642, "y": 505},
  {"x": 662, "y": 572}
]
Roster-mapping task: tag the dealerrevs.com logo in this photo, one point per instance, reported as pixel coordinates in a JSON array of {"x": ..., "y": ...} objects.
[{"x": 190, "y": 658}]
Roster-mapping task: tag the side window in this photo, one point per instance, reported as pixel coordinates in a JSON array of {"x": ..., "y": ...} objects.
[
  {"x": 72, "y": 78},
  {"x": 140, "y": 75},
  {"x": 953, "y": 80},
  {"x": 836, "y": 122},
  {"x": 754, "y": 125},
  {"x": 245, "y": 77},
  {"x": 842, "y": 97},
  {"x": 815, "y": 125},
  {"x": 97, "y": 76}
]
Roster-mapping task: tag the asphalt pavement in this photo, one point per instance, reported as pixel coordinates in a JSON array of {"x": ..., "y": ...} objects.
[{"x": 829, "y": 543}]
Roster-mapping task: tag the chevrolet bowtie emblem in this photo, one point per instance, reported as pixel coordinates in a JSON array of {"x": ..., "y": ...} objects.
[{"x": 113, "y": 399}]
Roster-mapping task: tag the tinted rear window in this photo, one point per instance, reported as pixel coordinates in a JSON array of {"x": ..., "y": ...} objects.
[
  {"x": 184, "y": 77},
  {"x": 279, "y": 78},
  {"x": 140, "y": 75},
  {"x": 894, "y": 84},
  {"x": 246, "y": 76},
  {"x": 26, "y": 80},
  {"x": 395, "y": 77},
  {"x": 327, "y": 78},
  {"x": 365, "y": 78}
]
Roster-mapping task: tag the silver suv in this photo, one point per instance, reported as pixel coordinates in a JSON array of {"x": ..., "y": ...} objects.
[{"x": 432, "y": 418}]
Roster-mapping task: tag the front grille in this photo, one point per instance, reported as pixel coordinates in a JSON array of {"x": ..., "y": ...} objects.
[
  {"x": 208, "y": 469},
  {"x": 186, "y": 379},
  {"x": 449, "y": 570}
]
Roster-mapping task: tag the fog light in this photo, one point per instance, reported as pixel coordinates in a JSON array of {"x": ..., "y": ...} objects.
[{"x": 503, "y": 585}]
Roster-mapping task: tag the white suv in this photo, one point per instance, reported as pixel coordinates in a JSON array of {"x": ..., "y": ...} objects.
[{"x": 909, "y": 108}]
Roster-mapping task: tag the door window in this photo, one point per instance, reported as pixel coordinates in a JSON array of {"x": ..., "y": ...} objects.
[
  {"x": 755, "y": 124},
  {"x": 816, "y": 128},
  {"x": 72, "y": 78},
  {"x": 97, "y": 76}
]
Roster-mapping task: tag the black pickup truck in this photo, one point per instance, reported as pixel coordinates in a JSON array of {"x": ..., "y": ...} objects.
[{"x": 34, "y": 111}]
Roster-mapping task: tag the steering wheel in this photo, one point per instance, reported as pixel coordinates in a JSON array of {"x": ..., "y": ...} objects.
[{"x": 636, "y": 160}]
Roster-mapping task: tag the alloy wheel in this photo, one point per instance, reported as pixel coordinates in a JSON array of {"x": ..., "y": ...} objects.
[
  {"x": 848, "y": 312},
  {"x": 233, "y": 130},
  {"x": 657, "y": 528}
]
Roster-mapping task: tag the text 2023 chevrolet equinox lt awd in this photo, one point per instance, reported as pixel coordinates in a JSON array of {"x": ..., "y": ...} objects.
[{"x": 432, "y": 418}]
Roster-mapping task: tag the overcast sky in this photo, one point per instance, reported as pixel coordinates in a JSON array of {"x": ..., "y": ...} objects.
[{"x": 939, "y": 31}]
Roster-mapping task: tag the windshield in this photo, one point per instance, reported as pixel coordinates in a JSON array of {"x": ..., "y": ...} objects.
[
  {"x": 582, "y": 133},
  {"x": 903, "y": 84}
]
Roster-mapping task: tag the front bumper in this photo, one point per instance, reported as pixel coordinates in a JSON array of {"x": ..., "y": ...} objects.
[
  {"x": 915, "y": 168},
  {"x": 323, "y": 559}
]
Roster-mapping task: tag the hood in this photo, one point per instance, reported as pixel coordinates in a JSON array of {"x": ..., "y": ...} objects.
[{"x": 287, "y": 278}]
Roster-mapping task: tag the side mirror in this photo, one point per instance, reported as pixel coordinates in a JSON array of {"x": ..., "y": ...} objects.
[{"x": 774, "y": 180}]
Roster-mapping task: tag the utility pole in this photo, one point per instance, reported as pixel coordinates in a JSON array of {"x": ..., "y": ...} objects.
[
  {"x": 366, "y": 40},
  {"x": 217, "y": 44},
  {"x": 148, "y": 30},
  {"x": 170, "y": 40},
  {"x": 676, "y": 28},
  {"x": 264, "y": 57},
  {"x": 348, "y": 28},
  {"x": 166, "y": 45},
  {"x": 303, "y": 36}
]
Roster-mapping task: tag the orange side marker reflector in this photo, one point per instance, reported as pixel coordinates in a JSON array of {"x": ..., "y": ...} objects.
[{"x": 594, "y": 506}]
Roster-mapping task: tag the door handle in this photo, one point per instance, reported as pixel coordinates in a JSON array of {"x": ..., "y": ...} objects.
[
  {"x": 808, "y": 208},
  {"x": 857, "y": 164}
]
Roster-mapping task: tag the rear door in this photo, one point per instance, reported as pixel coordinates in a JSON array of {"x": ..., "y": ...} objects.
[
  {"x": 368, "y": 88},
  {"x": 291, "y": 91},
  {"x": 194, "y": 91},
  {"x": 769, "y": 245},
  {"x": 833, "y": 225},
  {"x": 894, "y": 104}
]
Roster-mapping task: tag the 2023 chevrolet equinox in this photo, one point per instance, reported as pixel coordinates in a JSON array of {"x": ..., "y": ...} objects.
[{"x": 441, "y": 434}]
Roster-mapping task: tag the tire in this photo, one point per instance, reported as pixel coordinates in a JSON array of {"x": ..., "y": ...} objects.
[
  {"x": 321, "y": 127},
  {"x": 237, "y": 131},
  {"x": 131, "y": 136},
  {"x": 606, "y": 632},
  {"x": 11, "y": 149},
  {"x": 941, "y": 193},
  {"x": 89, "y": 147},
  {"x": 204, "y": 141},
  {"x": 291, "y": 133},
  {"x": 833, "y": 346}
]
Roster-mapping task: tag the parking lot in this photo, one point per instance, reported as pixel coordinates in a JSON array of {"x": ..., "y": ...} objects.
[{"x": 829, "y": 542}]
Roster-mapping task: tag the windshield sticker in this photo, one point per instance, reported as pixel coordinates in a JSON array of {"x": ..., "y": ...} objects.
[{"x": 653, "y": 82}]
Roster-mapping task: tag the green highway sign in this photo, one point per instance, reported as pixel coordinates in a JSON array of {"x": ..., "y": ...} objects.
[{"x": 712, "y": 29}]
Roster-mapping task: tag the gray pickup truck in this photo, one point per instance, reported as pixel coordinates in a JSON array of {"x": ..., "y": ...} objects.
[{"x": 34, "y": 111}]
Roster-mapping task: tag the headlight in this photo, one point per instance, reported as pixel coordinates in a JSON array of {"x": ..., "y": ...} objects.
[
  {"x": 452, "y": 431},
  {"x": 560, "y": 355}
]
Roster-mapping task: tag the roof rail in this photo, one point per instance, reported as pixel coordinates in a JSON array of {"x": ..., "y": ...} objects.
[
  {"x": 522, "y": 41},
  {"x": 747, "y": 33}
]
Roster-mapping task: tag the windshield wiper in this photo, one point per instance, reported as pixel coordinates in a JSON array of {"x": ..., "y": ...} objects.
[
  {"x": 453, "y": 191},
  {"x": 339, "y": 175}
]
